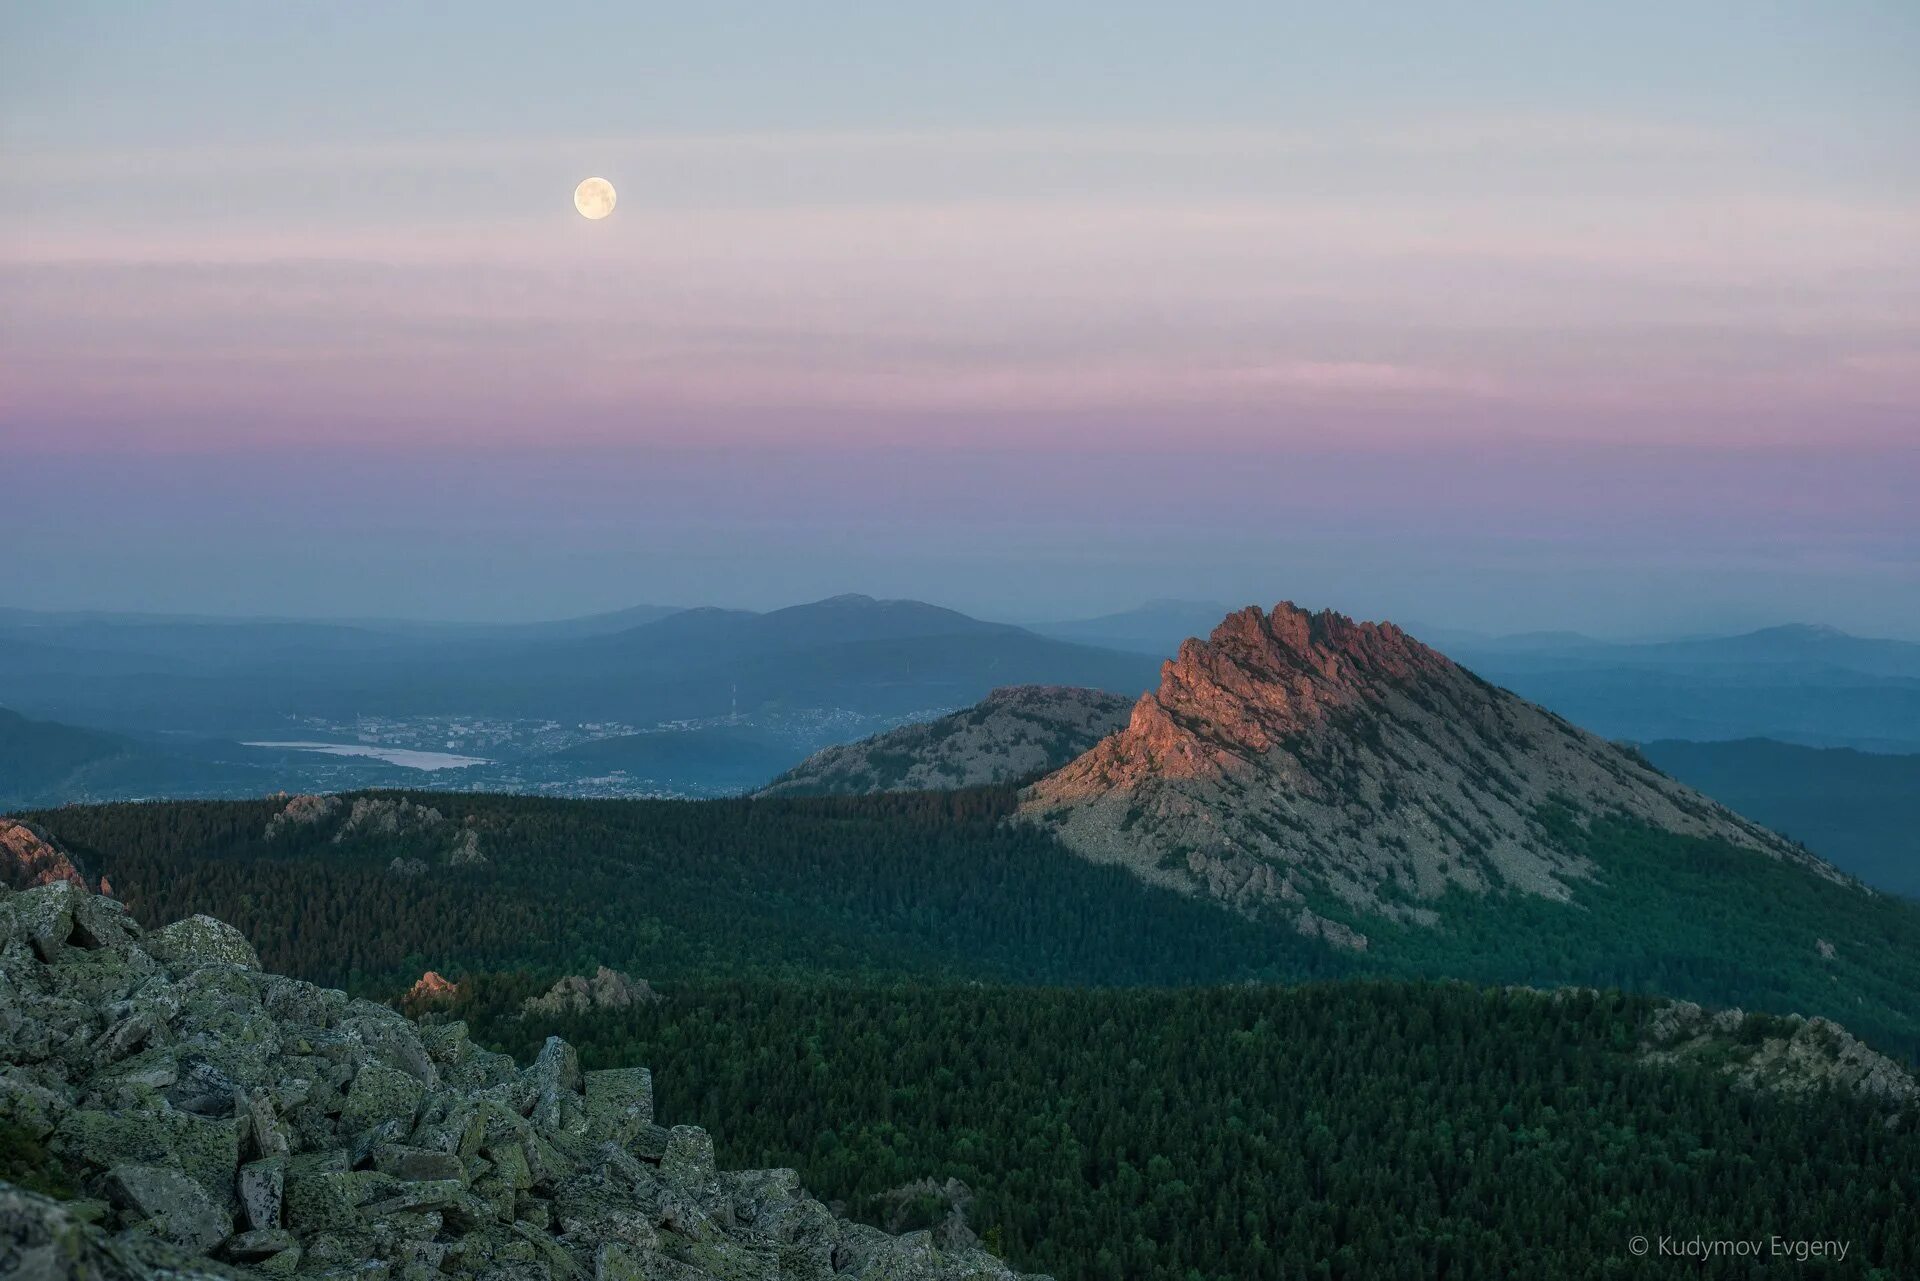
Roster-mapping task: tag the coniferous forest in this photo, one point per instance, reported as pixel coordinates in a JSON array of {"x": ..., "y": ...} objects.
[{"x": 1130, "y": 1083}]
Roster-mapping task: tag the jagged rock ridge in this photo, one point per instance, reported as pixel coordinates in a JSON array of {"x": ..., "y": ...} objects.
[
  {"x": 1296, "y": 757},
  {"x": 220, "y": 1118},
  {"x": 1791, "y": 1054},
  {"x": 608, "y": 989},
  {"x": 1014, "y": 733},
  {"x": 381, "y": 816},
  {"x": 29, "y": 856}
]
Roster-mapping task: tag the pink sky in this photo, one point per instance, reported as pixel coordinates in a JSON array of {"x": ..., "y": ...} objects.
[{"x": 1475, "y": 306}]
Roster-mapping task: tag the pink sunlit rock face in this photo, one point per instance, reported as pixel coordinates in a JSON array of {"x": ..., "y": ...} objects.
[{"x": 1300, "y": 764}]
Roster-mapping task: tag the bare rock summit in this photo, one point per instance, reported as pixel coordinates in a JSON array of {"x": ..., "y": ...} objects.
[
  {"x": 1012, "y": 734},
  {"x": 1296, "y": 761}
]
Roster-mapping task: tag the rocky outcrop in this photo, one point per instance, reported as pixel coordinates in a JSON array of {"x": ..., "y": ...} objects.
[
  {"x": 302, "y": 811},
  {"x": 1311, "y": 767},
  {"x": 387, "y": 816},
  {"x": 29, "y": 856},
  {"x": 431, "y": 987},
  {"x": 381, "y": 816},
  {"x": 466, "y": 849},
  {"x": 1779, "y": 1054},
  {"x": 1013, "y": 734},
  {"x": 223, "y": 1121},
  {"x": 606, "y": 990}
]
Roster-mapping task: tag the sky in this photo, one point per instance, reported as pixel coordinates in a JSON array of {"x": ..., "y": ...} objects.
[{"x": 1496, "y": 315}]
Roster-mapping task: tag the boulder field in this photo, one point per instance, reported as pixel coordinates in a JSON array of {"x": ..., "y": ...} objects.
[{"x": 196, "y": 1116}]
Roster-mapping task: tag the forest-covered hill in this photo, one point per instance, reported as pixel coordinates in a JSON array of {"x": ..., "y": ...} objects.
[
  {"x": 941, "y": 1017},
  {"x": 939, "y": 886}
]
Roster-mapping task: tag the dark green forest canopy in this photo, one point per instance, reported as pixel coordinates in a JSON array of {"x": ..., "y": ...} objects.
[
  {"x": 1357, "y": 1130},
  {"x": 935, "y": 886},
  {"x": 880, "y": 990}
]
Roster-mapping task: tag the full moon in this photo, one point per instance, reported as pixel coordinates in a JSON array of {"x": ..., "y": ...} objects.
[{"x": 594, "y": 198}]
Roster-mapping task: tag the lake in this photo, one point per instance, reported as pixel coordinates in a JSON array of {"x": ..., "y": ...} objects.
[{"x": 404, "y": 756}]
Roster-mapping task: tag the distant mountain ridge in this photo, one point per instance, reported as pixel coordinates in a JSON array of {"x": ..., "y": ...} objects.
[
  {"x": 869, "y": 656},
  {"x": 1298, "y": 762},
  {"x": 1156, "y": 628},
  {"x": 1800, "y": 683}
]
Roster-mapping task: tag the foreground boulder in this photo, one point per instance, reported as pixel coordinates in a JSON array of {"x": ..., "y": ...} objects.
[{"x": 219, "y": 1120}]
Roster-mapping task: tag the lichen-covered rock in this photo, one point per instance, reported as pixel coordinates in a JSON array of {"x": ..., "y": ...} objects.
[
  {"x": 619, "y": 1103},
  {"x": 169, "y": 1205},
  {"x": 261, "y": 1189},
  {"x": 201, "y": 940},
  {"x": 42, "y": 1239},
  {"x": 688, "y": 1162},
  {"x": 61, "y": 917},
  {"x": 225, "y": 1122}
]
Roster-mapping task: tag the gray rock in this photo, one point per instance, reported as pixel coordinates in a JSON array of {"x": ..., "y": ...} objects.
[
  {"x": 204, "y": 1090},
  {"x": 688, "y": 1162},
  {"x": 417, "y": 1164},
  {"x": 258, "y": 1245},
  {"x": 619, "y": 1103},
  {"x": 201, "y": 940},
  {"x": 175, "y": 1208},
  {"x": 381, "y": 1093},
  {"x": 608, "y": 989},
  {"x": 170, "y": 1072},
  {"x": 42, "y": 1239},
  {"x": 262, "y": 1189}
]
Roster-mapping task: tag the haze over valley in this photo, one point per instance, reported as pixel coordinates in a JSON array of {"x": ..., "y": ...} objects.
[{"x": 659, "y": 702}]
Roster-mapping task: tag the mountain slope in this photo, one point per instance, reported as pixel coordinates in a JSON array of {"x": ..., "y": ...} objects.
[
  {"x": 1861, "y": 810},
  {"x": 1013, "y": 734},
  {"x": 1297, "y": 760},
  {"x": 942, "y": 886},
  {"x": 41, "y": 757}
]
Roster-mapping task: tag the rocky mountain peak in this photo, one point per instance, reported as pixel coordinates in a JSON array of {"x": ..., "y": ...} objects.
[
  {"x": 1262, "y": 678},
  {"x": 1307, "y": 764}
]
